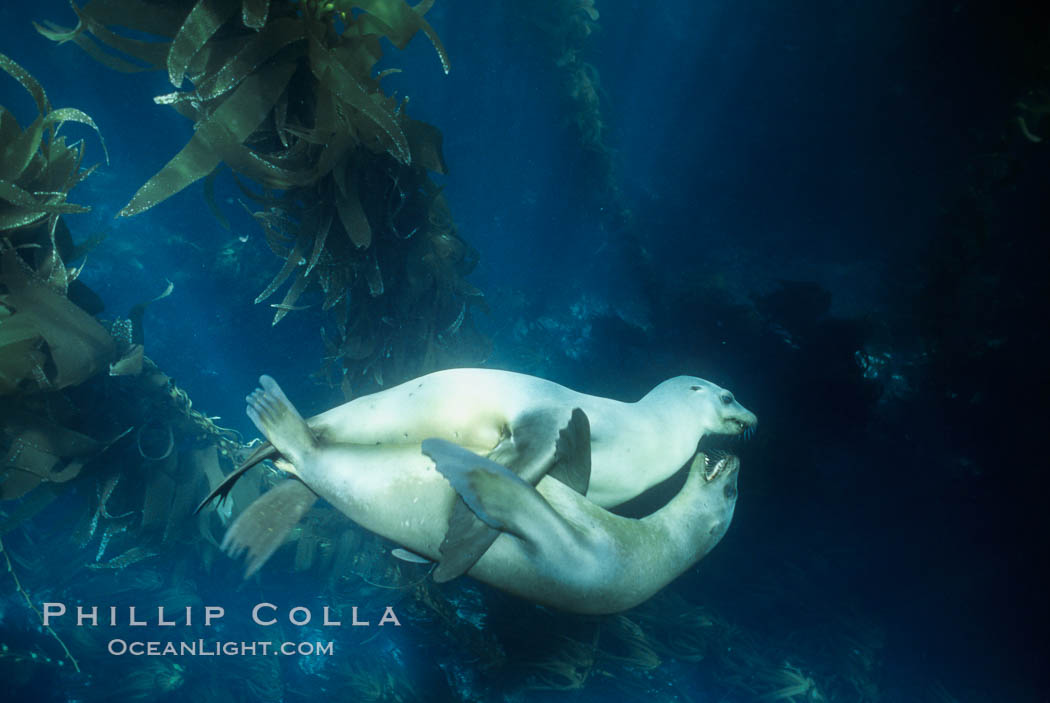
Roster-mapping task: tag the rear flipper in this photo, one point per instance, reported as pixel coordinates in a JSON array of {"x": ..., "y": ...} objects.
[
  {"x": 264, "y": 525},
  {"x": 275, "y": 416}
]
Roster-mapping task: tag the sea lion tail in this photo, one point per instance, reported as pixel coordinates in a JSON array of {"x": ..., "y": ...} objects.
[{"x": 275, "y": 416}]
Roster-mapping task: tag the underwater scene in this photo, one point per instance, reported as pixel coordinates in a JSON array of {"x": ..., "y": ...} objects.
[{"x": 567, "y": 350}]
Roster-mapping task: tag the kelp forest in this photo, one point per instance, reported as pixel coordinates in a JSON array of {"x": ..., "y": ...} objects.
[
  {"x": 336, "y": 174},
  {"x": 290, "y": 106}
]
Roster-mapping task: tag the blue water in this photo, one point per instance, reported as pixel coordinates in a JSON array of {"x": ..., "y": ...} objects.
[{"x": 832, "y": 214}]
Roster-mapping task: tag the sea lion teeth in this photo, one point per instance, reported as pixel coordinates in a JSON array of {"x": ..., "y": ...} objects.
[{"x": 715, "y": 462}]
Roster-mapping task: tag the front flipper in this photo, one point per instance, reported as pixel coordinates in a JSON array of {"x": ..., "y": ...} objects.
[
  {"x": 530, "y": 458},
  {"x": 477, "y": 481},
  {"x": 465, "y": 541},
  {"x": 572, "y": 457},
  {"x": 264, "y": 525},
  {"x": 496, "y": 495}
]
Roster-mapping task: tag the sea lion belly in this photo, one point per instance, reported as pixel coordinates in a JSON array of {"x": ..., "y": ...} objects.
[
  {"x": 471, "y": 407},
  {"x": 391, "y": 490}
]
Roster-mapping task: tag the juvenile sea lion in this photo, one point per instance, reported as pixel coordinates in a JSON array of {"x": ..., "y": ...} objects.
[
  {"x": 514, "y": 419},
  {"x": 555, "y": 547}
]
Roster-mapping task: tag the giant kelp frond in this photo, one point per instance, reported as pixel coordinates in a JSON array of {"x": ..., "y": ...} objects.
[
  {"x": 287, "y": 95},
  {"x": 566, "y": 666},
  {"x": 46, "y": 342},
  {"x": 223, "y": 130},
  {"x": 93, "y": 27},
  {"x": 395, "y": 20},
  {"x": 37, "y": 167},
  {"x": 240, "y": 65}
]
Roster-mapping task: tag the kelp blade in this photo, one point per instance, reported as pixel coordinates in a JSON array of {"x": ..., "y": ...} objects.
[
  {"x": 204, "y": 20},
  {"x": 224, "y": 130},
  {"x": 399, "y": 22}
]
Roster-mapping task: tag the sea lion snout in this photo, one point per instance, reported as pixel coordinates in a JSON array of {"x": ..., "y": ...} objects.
[
  {"x": 718, "y": 410},
  {"x": 740, "y": 420}
]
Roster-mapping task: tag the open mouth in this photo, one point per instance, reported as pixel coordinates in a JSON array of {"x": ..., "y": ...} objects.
[
  {"x": 717, "y": 462},
  {"x": 713, "y": 447}
]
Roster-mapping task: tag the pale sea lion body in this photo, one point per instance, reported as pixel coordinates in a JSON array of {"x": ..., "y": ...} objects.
[
  {"x": 633, "y": 445},
  {"x": 556, "y": 547}
]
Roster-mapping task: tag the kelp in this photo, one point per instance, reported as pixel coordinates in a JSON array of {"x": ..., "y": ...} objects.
[
  {"x": 46, "y": 342},
  {"x": 37, "y": 167},
  {"x": 87, "y": 416},
  {"x": 51, "y": 350},
  {"x": 469, "y": 633},
  {"x": 375, "y": 678},
  {"x": 40, "y": 450},
  {"x": 287, "y": 95},
  {"x": 220, "y": 52},
  {"x": 154, "y": 678},
  {"x": 566, "y": 666},
  {"x": 680, "y": 629},
  {"x": 29, "y": 602},
  {"x": 624, "y": 641},
  {"x": 563, "y": 27}
]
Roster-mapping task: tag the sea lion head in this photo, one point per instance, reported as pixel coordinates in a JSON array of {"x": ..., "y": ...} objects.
[{"x": 715, "y": 409}]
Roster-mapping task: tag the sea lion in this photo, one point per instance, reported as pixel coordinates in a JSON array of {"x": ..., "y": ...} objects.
[
  {"x": 634, "y": 446},
  {"x": 513, "y": 419},
  {"x": 555, "y": 547}
]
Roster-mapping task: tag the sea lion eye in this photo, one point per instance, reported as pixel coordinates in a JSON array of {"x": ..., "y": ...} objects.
[
  {"x": 694, "y": 388},
  {"x": 727, "y": 399}
]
